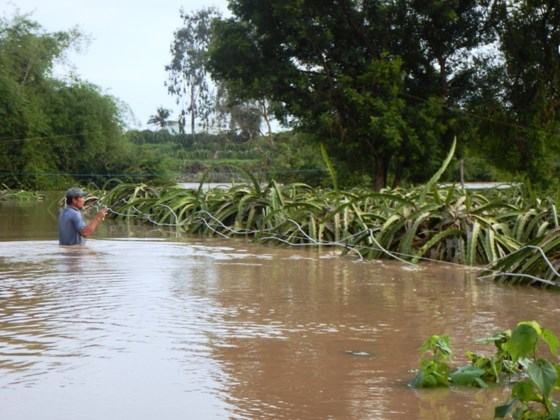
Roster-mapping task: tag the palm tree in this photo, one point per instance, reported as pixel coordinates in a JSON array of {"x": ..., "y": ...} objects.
[{"x": 161, "y": 117}]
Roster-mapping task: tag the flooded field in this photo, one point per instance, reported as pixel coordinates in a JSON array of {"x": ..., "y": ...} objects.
[{"x": 143, "y": 324}]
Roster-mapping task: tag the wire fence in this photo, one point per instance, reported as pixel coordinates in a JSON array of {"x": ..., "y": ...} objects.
[
  {"x": 145, "y": 174},
  {"x": 218, "y": 228}
]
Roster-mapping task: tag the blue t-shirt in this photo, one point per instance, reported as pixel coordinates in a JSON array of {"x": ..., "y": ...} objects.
[{"x": 70, "y": 223}]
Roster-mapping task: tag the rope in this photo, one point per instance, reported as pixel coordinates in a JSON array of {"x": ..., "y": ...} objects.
[
  {"x": 343, "y": 243},
  {"x": 153, "y": 174}
]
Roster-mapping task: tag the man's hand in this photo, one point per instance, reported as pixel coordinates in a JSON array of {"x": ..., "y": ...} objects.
[
  {"x": 101, "y": 214},
  {"x": 88, "y": 230}
]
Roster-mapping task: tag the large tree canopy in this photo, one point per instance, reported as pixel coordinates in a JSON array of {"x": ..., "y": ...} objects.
[
  {"x": 372, "y": 79},
  {"x": 524, "y": 96}
]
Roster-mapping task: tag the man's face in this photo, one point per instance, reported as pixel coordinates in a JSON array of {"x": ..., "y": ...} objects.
[{"x": 78, "y": 202}]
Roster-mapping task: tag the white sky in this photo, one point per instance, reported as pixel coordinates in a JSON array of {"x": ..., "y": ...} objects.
[{"x": 129, "y": 43}]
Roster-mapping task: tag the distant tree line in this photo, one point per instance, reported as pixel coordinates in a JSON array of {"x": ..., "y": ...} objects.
[{"x": 222, "y": 157}]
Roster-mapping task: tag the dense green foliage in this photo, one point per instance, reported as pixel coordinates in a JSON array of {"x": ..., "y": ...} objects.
[
  {"x": 517, "y": 361},
  {"x": 55, "y": 131},
  {"x": 526, "y": 89},
  {"x": 387, "y": 84}
]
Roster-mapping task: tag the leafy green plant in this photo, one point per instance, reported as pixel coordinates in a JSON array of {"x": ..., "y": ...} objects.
[
  {"x": 500, "y": 363},
  {"x": 330, "y": 167},
  {"x": 517, "y": 361},
  {"x": 531, "y": 397},
  {"x": 535, "y": 262},
  {"x": 448, "y": 224},
  {"x": 19, "y": 195},
  {"x": 434, "y": 365}
]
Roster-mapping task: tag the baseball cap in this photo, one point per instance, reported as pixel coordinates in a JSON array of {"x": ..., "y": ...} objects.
[{"x": 75, "y": 192}]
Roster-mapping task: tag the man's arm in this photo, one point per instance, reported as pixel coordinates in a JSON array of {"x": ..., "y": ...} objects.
[{"x": 90, "y": 228}]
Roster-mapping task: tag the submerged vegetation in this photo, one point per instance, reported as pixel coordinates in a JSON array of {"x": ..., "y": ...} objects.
[
  {"x": 7, "y": 194},
  {"x": 497, "y": 229},
  {"x": 526, "y": 359}
]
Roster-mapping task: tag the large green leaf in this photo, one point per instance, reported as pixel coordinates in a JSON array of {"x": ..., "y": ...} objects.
[
  {"x": 330, "y": 167},
  {"x": 525, "y": 391},
  {"x": 544, "y": 376},
  {"x": 502, "y": 410},
  {"x": 523, "y": 341},
  {"x": 551, "y": 340},
  {"x": 435, "y": 240},
  {"x": 418, "y": 218},
  {"x": 468, "y": 376},
  {"x": 435, "y": 178},
  {"x": 534, "y": 324},
  {"x": 472, "y": 243}
]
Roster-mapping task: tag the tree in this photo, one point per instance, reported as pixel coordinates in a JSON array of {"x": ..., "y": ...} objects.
[
  {"x": 530, "y": 38},
  {"x": 246, "y": 118},
  {"x": 449, "y": 34},
  {"x": 213, "y": 103},
  {"x": 160, "y": 118},
  {"x": 27, "y": 54},
  {"x": 356, "y": 74},
  {"x": 53, "y": 131},
  {"x": 188, "y": 70}
]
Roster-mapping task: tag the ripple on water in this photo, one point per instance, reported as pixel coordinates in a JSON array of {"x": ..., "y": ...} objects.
[
  {"x": 64, "y": 307},
  {"x": 143, "y": 329}
]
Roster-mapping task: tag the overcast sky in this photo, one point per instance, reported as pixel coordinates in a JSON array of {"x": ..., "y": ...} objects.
[{"x": 129, "y": 43}]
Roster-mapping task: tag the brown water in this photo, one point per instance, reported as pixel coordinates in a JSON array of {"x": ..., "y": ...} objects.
[{"x": 140, "y": 324}]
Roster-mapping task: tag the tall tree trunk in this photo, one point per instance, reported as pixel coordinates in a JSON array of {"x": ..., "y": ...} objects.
[
  {"x": 266, "y": 117},
  {"x": 443, "y": 77},
  {"x": 398, "y": 178},
  {"x": 380, "y": 174},
  {"x": 193, "y": 111}
]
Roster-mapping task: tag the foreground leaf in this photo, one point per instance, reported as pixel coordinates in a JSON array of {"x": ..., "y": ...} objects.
[
  {"x": 544, "y": 375},
  {"x": 468, "y": 376},
  {"x": 523, "y": 341},
  {"x": 502, "y": 410}
]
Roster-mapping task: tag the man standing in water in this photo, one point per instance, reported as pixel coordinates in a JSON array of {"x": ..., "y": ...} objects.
[{"x": 72, "y": 229}]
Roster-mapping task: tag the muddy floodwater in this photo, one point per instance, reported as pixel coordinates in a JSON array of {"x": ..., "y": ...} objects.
[{"x": 143, "y": 324}]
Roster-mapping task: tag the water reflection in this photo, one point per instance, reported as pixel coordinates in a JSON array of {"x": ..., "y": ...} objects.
[{"x": 145, "y": 328}]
